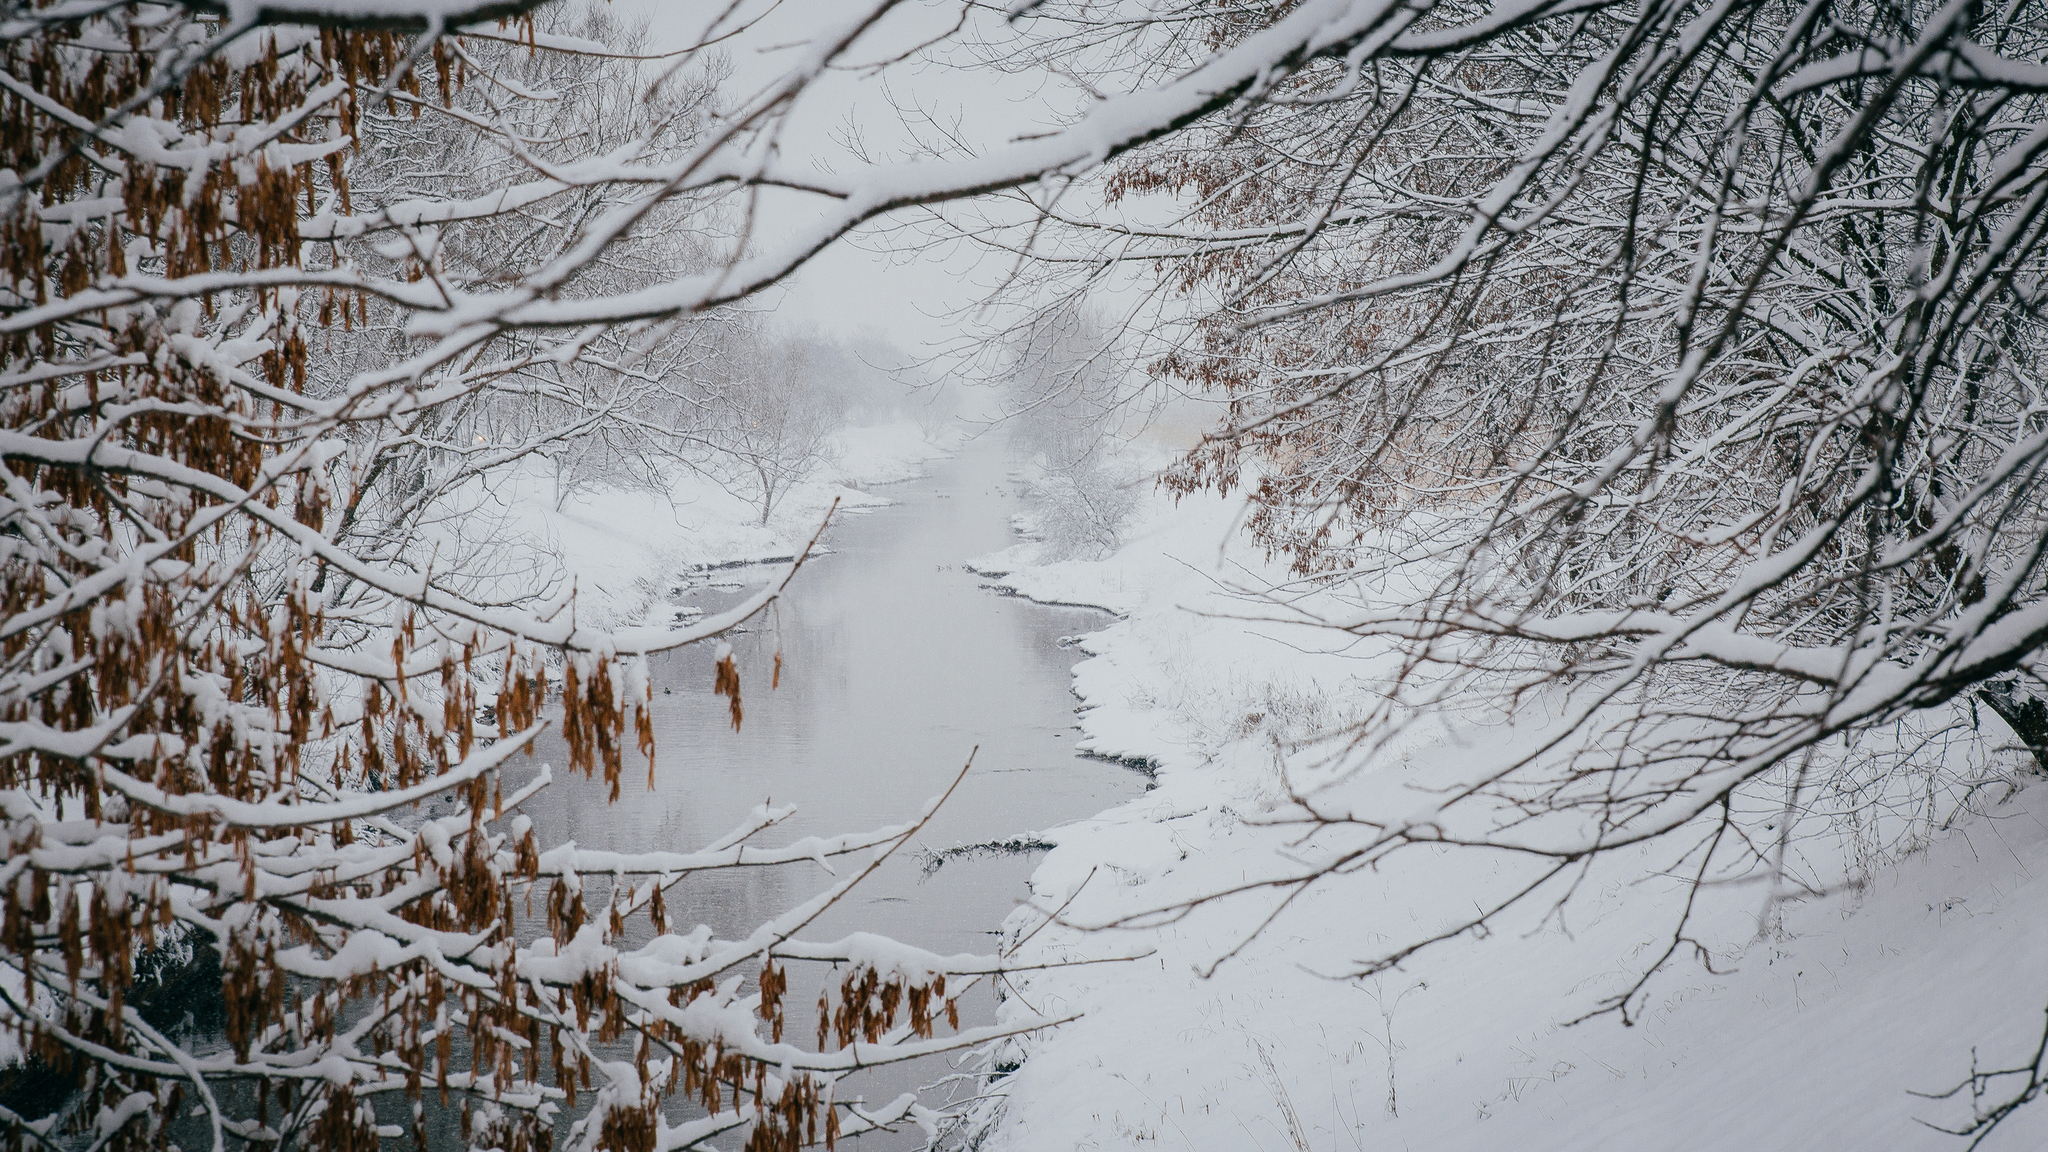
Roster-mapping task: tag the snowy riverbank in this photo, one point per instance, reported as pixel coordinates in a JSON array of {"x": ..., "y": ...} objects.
[
  {"x": 1812, "y": 1034},
  {"x": 627, "y": 549}
]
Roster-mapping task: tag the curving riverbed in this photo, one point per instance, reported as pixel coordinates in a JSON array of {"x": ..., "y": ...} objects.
[{"x": 896, "y": 664}]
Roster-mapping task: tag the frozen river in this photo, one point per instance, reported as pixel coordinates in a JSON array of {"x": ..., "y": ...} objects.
[{"x": 896, "y": 664}]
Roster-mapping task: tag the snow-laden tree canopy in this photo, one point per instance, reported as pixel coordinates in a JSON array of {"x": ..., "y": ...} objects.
[
  {"x": 1683, "y": 353},
  {"x": 1668, "y": 373}
]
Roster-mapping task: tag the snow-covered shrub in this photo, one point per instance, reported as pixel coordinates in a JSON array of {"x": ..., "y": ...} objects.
[{"x": 1078, "y": 511}]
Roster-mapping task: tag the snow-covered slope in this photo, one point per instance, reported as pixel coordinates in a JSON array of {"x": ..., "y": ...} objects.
[{"x": 1812, "y": 1034}]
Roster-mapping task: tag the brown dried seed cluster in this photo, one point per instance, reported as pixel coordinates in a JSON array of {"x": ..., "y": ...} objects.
[
  {"x": 869, "y": 1003},
  {"x": 727, "y": 683},
  {"x": 136, "y": 605},
  {"x": 165, "y": 587}
]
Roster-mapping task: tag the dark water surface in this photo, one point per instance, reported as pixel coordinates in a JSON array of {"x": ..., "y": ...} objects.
[{"x": 896, "y": 664}]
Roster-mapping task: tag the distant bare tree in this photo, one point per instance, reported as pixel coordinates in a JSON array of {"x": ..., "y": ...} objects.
[
  {"x": 776, "y": 420},
  {"x": 1066, "y": 377}
]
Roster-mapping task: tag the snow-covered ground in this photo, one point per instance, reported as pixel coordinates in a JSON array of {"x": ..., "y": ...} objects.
[{"x": 1814, "y": 1034}]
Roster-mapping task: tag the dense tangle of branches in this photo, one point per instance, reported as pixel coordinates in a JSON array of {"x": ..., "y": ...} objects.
[
  {"x": 1675, "y": 363},
  {"x": 246, "y": 630},
  {"x": 1670, "y": 374}
]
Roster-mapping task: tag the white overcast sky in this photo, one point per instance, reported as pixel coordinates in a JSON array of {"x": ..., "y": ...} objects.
[{"x": 850, "y": 287}]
